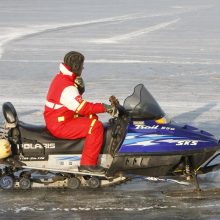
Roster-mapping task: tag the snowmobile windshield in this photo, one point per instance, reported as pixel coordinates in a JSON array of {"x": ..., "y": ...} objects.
[{"x": 142, "y": 105}]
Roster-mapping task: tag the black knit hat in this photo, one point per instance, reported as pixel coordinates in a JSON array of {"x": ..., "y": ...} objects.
[{"x": 75, "y": 61}]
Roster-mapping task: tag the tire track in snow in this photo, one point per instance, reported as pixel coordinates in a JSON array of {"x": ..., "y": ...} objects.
[
  {"x": 31, "y": 30},
  {"x": 129, "y": 61},
  {"x": 134, "y": 34},
  {"x": 155, "y": 61},
  {"x": 12, "y": 34},
  {"x": 140, "y": 208}
]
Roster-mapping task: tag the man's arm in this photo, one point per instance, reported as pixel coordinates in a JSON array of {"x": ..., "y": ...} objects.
[{"x": 71, "y": 99}]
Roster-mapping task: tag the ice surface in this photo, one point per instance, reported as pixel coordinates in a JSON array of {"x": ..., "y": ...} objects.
[{"x": 172, "y": 47}]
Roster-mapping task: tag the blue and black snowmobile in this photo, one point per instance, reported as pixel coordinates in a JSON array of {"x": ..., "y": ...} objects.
[{"x": 141, "y": 140}]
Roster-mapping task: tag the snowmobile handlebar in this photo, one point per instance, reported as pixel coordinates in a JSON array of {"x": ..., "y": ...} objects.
[
  {"x": 113, "y": 100},
  {"x": 115, "y": 103}
]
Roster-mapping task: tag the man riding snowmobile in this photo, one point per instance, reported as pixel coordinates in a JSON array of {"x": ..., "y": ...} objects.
[{"x": 69, "y": 116}]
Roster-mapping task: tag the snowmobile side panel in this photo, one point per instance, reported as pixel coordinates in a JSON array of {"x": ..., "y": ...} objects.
[
  {"x": 144, "y": 165},
  {"x": 153, "y": 138}
]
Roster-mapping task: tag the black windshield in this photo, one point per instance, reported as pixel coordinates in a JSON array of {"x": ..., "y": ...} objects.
[{"x": 142, "y": 105}]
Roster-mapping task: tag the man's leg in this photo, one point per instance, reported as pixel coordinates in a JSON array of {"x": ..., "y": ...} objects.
[
  {"x": 92, "y": 130},
  {"x": 93, "y": 144}
]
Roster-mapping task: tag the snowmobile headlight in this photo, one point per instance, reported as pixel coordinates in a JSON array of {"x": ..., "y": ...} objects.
[
  {"x": 163, "y": 120},
  {"x": 5, "y": 148}
]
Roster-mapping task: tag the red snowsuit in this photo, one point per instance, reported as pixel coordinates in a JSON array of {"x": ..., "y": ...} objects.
[{"x": 68, "y": 116}]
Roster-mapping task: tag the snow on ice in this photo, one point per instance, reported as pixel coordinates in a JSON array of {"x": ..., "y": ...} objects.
[{"x": 172, "y": 47}]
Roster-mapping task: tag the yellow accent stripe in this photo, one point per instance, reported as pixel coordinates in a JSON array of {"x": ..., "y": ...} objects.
[
  {"x": 198, "y": 168},
  {"x": 90, "y": 116},
  {"x": 91, "y": 126},
  {"x": 61, "y": 118},
  {"x": 161, "y": 121},
  {"x": 80, "y": 106}
]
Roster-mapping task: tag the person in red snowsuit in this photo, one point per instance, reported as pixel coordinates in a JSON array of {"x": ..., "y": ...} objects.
[{"x": 69, "y": 116}]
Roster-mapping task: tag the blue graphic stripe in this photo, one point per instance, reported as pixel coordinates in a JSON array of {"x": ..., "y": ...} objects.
[
  {"x": 165, "y": 148},
  {"x": 140, "y": 138},
  {"x": 69, "y": 158}
]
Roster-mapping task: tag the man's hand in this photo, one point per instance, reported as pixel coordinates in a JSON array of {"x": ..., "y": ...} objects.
[
  {"x": 80, "y": 83},
  {"x": 113, "y": 100},
  {"x": 112, "y": 110}
]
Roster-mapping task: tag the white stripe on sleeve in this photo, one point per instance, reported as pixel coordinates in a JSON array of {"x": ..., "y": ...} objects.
[{"x": 68, "y": 98}]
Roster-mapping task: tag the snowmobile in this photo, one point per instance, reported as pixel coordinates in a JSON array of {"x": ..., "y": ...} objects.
[{"x": 141, "y": 140}]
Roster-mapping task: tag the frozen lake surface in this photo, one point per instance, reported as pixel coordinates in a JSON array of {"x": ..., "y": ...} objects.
[{"x": 172, "y": 47}]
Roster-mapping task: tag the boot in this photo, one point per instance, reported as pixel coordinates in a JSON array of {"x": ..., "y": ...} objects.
[{"x": 91, "y": 169}]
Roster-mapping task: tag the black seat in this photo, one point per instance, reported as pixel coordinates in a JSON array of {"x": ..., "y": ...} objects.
[{"x": 33, "y": 137}]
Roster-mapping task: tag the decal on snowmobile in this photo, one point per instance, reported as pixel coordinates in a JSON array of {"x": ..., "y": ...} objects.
[
  {"x": 138, "y": 122},
  {"x": 28, "y": 146},
  {"x": 69, "y": 158},
  {"x": 188, "y": 142},
  {"x": 140, "y": 142},
  {"x": 140, "y": 126},
  {"x": 167, "y": 128},
  {"x": 146, "y": 127},
  {"x": 32, "y": 158}
]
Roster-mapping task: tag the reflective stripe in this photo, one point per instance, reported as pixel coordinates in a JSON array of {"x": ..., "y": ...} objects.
[
  {"x": 75, "y": 116},
  {"x": 53, "y": 105},
  {"x": 90, "y": 116},
  {"x": 80, "y": 106},
  {"x": 61, "y": 118},
  {"x": 91, "y": 126}
]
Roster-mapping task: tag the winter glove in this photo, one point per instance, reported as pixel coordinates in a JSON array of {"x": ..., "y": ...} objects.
[
  {"x": 80, "y": 84},
  {"x": 112, "y": 110},
  {"x": 113, "y": 100}
]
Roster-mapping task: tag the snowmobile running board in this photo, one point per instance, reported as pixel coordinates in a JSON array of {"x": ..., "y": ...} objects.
[{"x": 66, "y": 171}]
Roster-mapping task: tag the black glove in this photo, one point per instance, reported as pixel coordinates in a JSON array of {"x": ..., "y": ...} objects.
[
  {"x": 80, "y": 84},
  {"x": 112, "y": 110}
]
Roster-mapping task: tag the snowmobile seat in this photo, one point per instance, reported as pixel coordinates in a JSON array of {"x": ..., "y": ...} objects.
[{"x": 35, "y": 137}]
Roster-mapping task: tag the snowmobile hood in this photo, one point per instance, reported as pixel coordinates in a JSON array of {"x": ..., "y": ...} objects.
[{"x": 142, "y": 105}]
